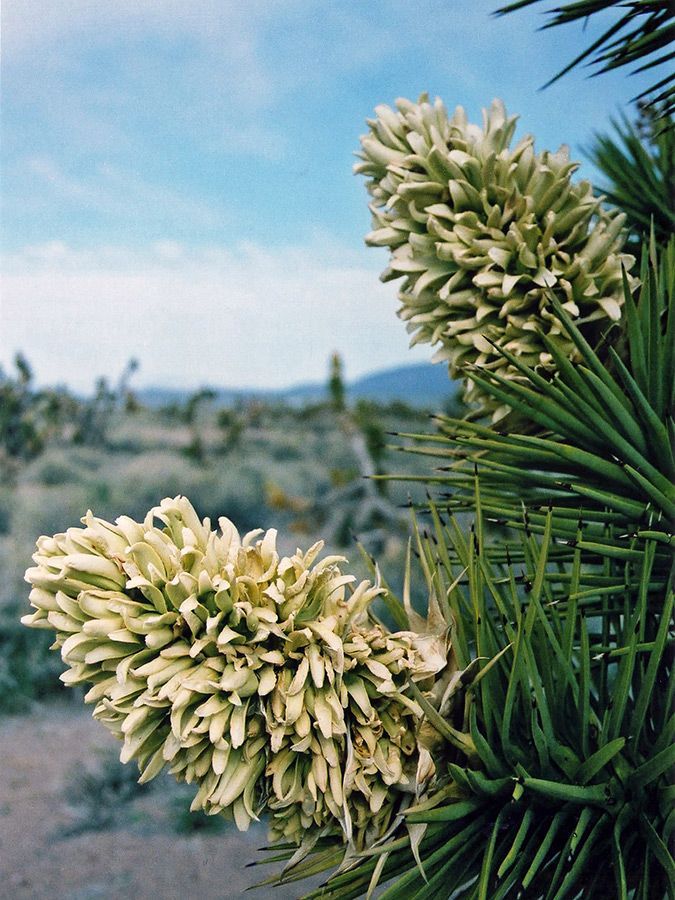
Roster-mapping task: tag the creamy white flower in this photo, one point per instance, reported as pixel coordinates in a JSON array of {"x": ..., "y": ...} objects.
[
  {"x": 258, "y": 678},
  {"x": 482, "y": 233}
]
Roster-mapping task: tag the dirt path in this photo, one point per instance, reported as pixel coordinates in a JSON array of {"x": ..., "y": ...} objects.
[{"x": 46, "y": 853}]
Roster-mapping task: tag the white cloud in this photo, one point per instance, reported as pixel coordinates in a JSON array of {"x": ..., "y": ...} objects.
[{"x": 249, "y": 317}]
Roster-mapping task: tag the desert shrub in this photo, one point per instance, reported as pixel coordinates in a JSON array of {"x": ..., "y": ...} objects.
[
  {"x": 63, "y": 465},
  {"x": 144, "y": 479},
  {"x": 402, "y": 411},
  {"x": 194, "y": 451},
  {"x": 54, "y": 472},
  {"x": 237, "y": 493},
  {"x": 86, "y": 459},
  {"x": 48, "y": 510},
  {"x": 225, "y": 418},
  {"x": 20, "y": 426},
  {"x": 127, "y": 445},
  {"x": 99, "y": 791},
  {"x": 367, "y": 417},
  {"x": 141, "y": 482},
  {"x": 170, "y": 413},
  {"x": 6, "y": 505},
  {"x": 101, "y": 494},
  {"x": 232, "y": 427},
  {"x": 285, "y": 449},
  {"x": 28, "y": 671}
]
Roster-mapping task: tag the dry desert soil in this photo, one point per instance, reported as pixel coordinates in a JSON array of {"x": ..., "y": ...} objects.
[{"x": 54, "y": 847}]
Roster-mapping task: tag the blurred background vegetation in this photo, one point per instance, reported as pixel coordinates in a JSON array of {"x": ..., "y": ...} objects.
[{"x": 301, "y": 469}]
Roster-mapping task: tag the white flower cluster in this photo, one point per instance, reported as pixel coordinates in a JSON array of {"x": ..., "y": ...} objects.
[
  {"x": 482, "y": 234},
  {"x": 259, "y": 678}
]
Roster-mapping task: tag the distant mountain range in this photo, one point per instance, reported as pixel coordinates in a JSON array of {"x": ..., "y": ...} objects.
[{"x": 421, "y": 385}]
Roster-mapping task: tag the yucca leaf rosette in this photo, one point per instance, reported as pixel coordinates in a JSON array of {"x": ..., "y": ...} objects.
[
  {"x": 482, "y": 233},
  {"x": 258, "y": 677}
]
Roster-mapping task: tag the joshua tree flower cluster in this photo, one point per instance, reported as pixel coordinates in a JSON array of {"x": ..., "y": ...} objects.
[
  {"x": 261, "y": 679},
  {"x": 482, "y": 233}
]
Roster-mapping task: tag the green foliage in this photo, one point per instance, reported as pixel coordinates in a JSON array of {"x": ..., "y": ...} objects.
[
  {"x": 567, "y": 726},
  {"x": 639, "y": 165},
  {"x": 366, "y": 418},
  {"x": 31, "y": 420},
  {"x": 640, "y": 36},
  {"x": 596, "y": 437},
  {"x": 97, "y": 413},
  {"x": 195, "y": 403},
  {"x": 54, "y": 472},
  {"x": 232, "y": 425},
  {"x": 95, "y": 416},
  {"x": 100, "y": 793},
  {"x": 28, "y": 672},
  {"x": 336, "y": 385},
  {"x": 20, "y": 436},
  {"x": 194, "y": 451},
  {"x": 571, "y": 751},
  {"x": 556, "y": 746}
]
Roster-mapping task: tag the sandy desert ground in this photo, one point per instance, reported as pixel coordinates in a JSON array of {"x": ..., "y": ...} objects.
[{"x": 48, "y": 851}]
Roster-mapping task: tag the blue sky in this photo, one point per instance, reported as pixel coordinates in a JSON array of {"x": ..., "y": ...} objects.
[{"x": 176, "y": 177}]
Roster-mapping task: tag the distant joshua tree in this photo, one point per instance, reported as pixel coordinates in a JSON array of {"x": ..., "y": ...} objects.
[{"x": 336, "y": 385}]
